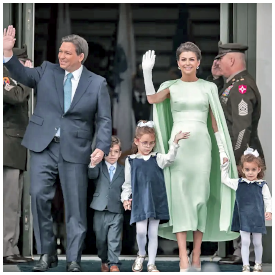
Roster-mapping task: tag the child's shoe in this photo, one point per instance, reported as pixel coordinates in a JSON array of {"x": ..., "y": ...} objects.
[
  {"x": 246, "y": 268},
  {"x": 257, "y": 268},
  {"x": 138, "y": 264},
  {"x": 152, "y": 268}
]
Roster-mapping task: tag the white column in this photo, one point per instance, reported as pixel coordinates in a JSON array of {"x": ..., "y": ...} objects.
[
  {"x": 244, "y": 31},
  {"x": 224, "y": 23},
  {"x": 264, "y": 82}
]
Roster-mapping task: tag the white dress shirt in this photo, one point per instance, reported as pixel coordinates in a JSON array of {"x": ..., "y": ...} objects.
[
  {"x": 233, "y": 184},
  {"x": 163, "y": 160}
]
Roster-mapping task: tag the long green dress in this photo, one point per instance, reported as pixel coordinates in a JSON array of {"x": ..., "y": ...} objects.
[{"x": 197, "y": 199}]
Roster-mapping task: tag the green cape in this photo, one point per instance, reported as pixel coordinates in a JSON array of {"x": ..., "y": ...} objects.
[{"x": 221, "y": 200}]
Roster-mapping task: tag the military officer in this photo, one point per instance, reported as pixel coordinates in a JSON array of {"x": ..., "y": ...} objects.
[
  {"x": 240, "y": 98},
  {"x": 241, "y": 103},
  {"x": 15, "y": 120}
]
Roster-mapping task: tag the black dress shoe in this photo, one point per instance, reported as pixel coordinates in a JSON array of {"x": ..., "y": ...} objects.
[
  {"x": 45, "y": 262},
  {"x": 73, "y": 267},
  {"x": 15, "y": 259}
]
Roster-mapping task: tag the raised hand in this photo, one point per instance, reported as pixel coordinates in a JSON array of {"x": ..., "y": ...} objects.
[
  {"x": 181, "y": 135},
  {"x": 215, "y": 70},
  {"x": 8, "y": 38},
  {"x": 148, "y": 60}
]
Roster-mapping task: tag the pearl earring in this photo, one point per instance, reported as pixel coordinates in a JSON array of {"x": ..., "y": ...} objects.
[
  {"x": 179, "y": 68},
  {"x": 197, "y": 67}
]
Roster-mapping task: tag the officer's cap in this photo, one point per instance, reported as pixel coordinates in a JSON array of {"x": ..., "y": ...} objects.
[
  {"x": 229, "y": 48},
  {"x": 21, "y": 53}
]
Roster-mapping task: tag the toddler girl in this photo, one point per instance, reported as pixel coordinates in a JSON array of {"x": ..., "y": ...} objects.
[{"x": 252, "y": 205}]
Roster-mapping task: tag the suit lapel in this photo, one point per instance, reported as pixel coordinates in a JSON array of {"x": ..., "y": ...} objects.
[
  {"x": 83, "y": 83},
  {"x": 59, "y": 79},
  {"x": 105, "y": 171},
  {"x": 118, "y": 170}
]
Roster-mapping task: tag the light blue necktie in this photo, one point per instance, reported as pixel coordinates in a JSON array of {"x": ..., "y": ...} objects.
[
  {"x": 111, "y": 172},
  {"x": 67, "y": 96},
  {"x": 68, "y": 92}
]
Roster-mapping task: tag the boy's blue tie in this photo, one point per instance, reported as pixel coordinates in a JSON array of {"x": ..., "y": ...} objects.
[
  {"x": 111, "y": 172},
  {"x": 68, "y": 92}
]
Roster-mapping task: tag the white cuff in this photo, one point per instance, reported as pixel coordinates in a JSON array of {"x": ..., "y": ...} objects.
[{"x": 176, "y": 145}]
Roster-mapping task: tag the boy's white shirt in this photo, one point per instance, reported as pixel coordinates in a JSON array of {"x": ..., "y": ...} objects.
[
  {"x": 233, "y": 184},
  {"x": 163, "y": 160}
]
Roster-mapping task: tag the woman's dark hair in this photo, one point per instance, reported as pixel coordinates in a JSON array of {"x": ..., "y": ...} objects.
[
  {"x": 251, "y": 158},
  {"x": 142, "y": 131},
  {"x": 188, "y": 47}
]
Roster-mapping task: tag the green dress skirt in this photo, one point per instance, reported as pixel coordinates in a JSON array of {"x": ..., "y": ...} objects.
[{"x": 197, "y": 199}]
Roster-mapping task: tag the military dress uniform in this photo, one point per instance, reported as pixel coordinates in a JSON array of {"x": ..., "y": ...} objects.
[
  {"x": 241, "y": 103},
  {"x": 15, "y": 121}
]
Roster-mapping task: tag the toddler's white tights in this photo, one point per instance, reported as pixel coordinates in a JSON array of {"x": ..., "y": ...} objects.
[
  {"x": 141, "y": 228},
  {"x": 258, "y": 247}
]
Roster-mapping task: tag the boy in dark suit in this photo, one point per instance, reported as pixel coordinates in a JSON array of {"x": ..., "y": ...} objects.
[{"x": 108, "y": 216}]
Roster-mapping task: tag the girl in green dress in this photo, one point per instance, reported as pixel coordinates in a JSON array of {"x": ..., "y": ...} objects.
[{"x": 200, "y": 207}]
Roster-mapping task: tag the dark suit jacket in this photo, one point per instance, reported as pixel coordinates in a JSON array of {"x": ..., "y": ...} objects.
[
  {"x": 15, "y": 121},
  {"x": 76, "y": 125},
  {"x": 107, "y": 192}
]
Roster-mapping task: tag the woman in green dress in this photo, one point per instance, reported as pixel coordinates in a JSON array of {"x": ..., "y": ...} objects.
[{"x": 200, "y": 206}]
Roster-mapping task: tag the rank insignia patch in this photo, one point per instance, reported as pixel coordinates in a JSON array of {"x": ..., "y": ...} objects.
[
  {"x": 8, "y": 87},
  {"x": 243, "y": 108},
  {"x": 242, "y": 89},
  {"x": 227, "y": 90},
  {"x": 6, "y": 80},
  {"x": 224, "y": 99}
]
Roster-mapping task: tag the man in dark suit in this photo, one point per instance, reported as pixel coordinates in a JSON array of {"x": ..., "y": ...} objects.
[
  {"x": 108, "y": 216},
  {"x": 59, "y": 137},
  {"x": 15, "y": 121}
]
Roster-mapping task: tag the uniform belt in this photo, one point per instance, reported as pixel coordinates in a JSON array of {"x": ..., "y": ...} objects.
[{"x": 56, "y": 139}]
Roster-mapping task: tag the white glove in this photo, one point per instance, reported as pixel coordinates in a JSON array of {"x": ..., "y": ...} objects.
[
  {"x": 148, "y": 62},
  {"x": 220, "y": 146}
]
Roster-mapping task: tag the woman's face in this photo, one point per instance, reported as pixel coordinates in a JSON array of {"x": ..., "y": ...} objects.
[{"x": 188, "y": 63}]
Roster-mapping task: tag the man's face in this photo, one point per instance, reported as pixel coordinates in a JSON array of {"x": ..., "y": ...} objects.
[
  {"x": 224, "y": 65},
  {"x": 68, "y": 58}
]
